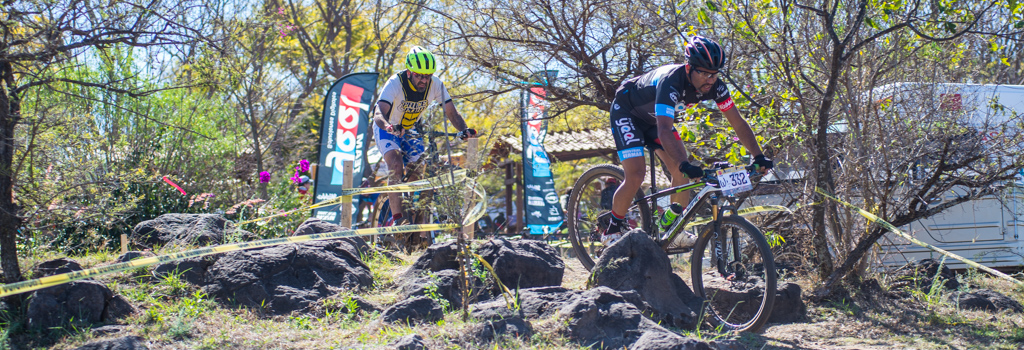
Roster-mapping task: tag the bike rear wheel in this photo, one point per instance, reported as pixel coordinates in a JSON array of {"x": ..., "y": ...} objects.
[
  {"x": 733, "y": 269},
  {"x": 588, "y": 213}
]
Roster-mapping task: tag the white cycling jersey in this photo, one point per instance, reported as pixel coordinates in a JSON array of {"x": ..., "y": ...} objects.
[{"x": 407, "y": 104}]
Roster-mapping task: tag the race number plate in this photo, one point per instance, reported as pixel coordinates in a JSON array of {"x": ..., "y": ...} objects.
[{"x": 734, "y": 180}]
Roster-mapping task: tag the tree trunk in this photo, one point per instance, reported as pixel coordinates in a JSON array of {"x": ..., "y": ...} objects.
[
  {"x": 823, "y": 169},
  {"x": 10, "y": 112}
]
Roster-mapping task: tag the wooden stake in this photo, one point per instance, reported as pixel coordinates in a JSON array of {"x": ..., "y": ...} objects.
[
  {"x": 346, "y": 201},
  {"x": 124, "y": 243}
]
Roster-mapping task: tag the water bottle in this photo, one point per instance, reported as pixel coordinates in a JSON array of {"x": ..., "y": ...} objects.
[{"x": 670, "y": 216}]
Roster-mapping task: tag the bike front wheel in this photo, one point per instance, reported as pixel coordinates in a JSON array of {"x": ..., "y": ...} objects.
[
  {"x": 733, "y": 270},
  {"x": 589, "y": 210}
]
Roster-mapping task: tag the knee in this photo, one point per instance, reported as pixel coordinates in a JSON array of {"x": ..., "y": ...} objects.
[{"x": 634, "y": 178}]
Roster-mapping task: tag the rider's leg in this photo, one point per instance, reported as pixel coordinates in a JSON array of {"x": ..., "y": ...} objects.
[
  {"x": 634, "y": 168},
  {"x": 678, "y": 179},
  {"x": 396, "y": 170}
]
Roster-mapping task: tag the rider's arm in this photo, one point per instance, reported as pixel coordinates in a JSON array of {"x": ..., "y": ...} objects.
[
  {"x": 743, "y": 131},
  {"x": 674, "y": 149},
  {"x": 381, "y": 110},
  {"x": 379, "y": 114},
  {"x": 454, "y": 116},
  {"x": 441, "y": 94}
]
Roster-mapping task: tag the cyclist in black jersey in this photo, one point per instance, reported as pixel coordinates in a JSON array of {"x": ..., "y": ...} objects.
[{"x": 642, "y": 115}]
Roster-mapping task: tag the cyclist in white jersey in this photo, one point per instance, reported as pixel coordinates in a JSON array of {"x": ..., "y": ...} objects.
[{"x": 402, "y": 99}]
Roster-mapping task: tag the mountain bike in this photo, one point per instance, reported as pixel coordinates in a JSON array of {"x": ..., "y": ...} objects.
[
  {"x": 416, "y": 205},
  {"x": 730, "y": 260}
]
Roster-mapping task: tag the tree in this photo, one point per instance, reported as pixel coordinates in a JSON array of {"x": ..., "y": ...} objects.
[
  {"x": 39, "y": 38},
  {"x": 818, "y": 60}
]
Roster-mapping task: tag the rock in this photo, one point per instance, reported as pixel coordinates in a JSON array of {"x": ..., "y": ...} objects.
[
  {"x": 314, "y": 226},
  {"x": 523, "y": 263},
  {"x": 180, "y": 230},
  {"x": 437, "y": 257},
  {"x": 636, "y": 262},
  {"x": 56, "y": 267},
  {"x": 540, "y": 302},
  {"x": 602, "y": 319},
  {"x": 409, "y": 342},
  {"x": 921, "y": 276},
  {"x": 413, "y": 310},
  {"x": 491, "y": 329},
  {"x": 789, "y": 304},
  {"x": 79, "y": 303},
  {"x": 445, "y": 285},
  {"x": 123, "y": 343},
  {"x": 278, "y": 279},
  {"x": 658, "y": 340},
  {"x": 286, "y": 278},
  {"x": 340, "y": 303},
  {"x": 105, "y": 330},
  {"x": 132, "y": 255},
  {"x": 191, "y": 270},
  {"x": 986, "y": 300}
]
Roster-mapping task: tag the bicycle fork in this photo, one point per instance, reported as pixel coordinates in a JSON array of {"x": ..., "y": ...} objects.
[{"x": 719, "y": 242}]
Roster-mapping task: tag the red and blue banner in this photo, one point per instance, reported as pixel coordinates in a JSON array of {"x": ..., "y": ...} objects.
[
  {"x": 343, "y": 137},
  {"x": 543, "y": 212}
]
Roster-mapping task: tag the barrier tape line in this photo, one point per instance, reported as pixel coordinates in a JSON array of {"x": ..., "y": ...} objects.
[
  {"x": 874, "y": 218},
  {"x": 742, "y": 212},
  {"x": 49, "y": 281},
  {"x": 418, "y": 185}
]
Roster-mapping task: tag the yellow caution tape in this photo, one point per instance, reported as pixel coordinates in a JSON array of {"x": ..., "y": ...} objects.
[
  {"x": 874, "y": 218},
  {"x": 742, "y": 212},
  {"x": 27, "y": 286},
  {"x": 346, "y": 194}
]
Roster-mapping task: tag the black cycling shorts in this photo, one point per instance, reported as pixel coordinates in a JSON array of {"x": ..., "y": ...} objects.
[{"x": 632, "y": 134}]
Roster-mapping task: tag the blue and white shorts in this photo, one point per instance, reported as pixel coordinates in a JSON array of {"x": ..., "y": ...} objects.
[{"x": 412, "y": 147}]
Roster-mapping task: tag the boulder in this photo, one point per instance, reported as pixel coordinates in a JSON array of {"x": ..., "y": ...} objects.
[
  {"x": 437, "y": 257},
  {"x": 132, "y": 255},
  {"x": 191, "y": 270},
  {"x": 414, "y": 310},
  {"x": 985, "y": 300},
  {"x": 347, "y": 303},
  {"x": 488, "y": 330},
  {"x": 445, "y": 285},
  {"x": 789, "y": 304},
  {"x": 315, "y": 226},
  {"x": 658, "y": 340},
  {"x": 601, "y": 318},
  {"x": 409, "y": 342},
  {"x": 279, "y": 279},
  {"x": 523, "y": 263},
  {"x": 540, "y": 302},
  {"x": 56, "y": 267},
  {"x": 181, "y": 230},
  {"x": 83, "y": 302},
  {"x": 122, "y": 343},
  {"x": 637, "y": 263},
  {"x": 922, "y": 275}
]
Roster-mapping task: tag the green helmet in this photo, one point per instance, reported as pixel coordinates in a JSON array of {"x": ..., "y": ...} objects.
[{"x": 420, "y": 61}]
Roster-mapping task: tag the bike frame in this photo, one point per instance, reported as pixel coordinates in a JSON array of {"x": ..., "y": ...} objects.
[{"x": 708, "y": 192}]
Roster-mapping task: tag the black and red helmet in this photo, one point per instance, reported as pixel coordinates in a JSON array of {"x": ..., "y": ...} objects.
[{"x": 705, "y": 53}]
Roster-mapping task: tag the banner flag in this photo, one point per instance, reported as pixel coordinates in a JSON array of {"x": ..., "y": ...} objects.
[
  {"x": 543, "y": 208},
  {"x": 346, "y": 113}
]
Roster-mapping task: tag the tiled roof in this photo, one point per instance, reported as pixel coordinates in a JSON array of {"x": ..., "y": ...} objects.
[{"x": 573, "y": 144}]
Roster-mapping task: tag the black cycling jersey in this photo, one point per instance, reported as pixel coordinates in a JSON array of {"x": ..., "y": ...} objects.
[{"x": 659, "y": 91}]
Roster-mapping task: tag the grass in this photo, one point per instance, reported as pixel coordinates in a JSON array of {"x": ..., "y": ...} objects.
[{"x": 175, "y": 314}]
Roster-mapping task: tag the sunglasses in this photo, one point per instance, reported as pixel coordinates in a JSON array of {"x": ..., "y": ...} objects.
[{"x": 707, "y": 75}]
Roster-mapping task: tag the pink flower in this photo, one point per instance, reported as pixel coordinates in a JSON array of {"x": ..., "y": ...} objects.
[
  {"x": 304, "y": 164},
  {"x": 296, "y": 178},
  {"x": 264, "y": 177},
  {"x": 280, "y": 10}
]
